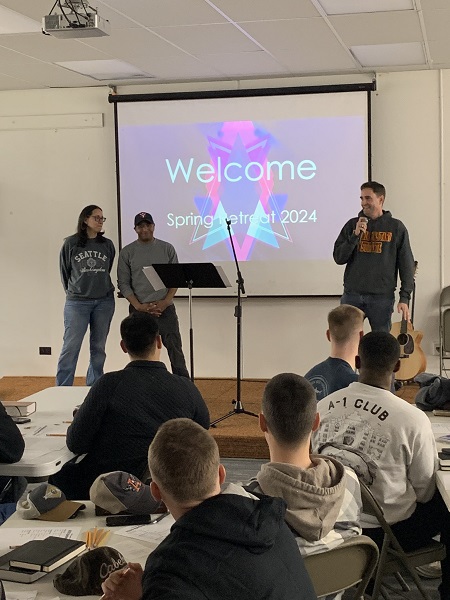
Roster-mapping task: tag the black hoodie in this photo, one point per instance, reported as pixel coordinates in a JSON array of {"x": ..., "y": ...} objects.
[
  {"x": 229, "y": 547},
  {"x": 375, "y": 258}
]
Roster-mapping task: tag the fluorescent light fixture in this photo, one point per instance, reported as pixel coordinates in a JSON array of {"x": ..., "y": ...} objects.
[
  {"x": 104, "y": 70},
  {"x": 350, "y": 7},
  {"x": 389, "y": 55},
  {"x": 13, "y": 22}
]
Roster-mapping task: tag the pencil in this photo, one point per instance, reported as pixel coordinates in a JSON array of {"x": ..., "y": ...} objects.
[
  {"x": 103, "y": 596},
  {"x": 102, "y": 538},
  {"x": 56, "y": 434},
  {"x": 160, "y": 518}
]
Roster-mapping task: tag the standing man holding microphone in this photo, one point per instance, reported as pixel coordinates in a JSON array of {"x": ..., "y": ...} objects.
[{"x": 375, "y": 249}]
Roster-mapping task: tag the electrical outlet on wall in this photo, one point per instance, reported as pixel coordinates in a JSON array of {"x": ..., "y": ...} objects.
[{"x": 46, "y": 350}]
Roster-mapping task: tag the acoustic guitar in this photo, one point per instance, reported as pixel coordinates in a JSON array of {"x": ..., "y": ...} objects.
[{"x": 412, "y": 358}]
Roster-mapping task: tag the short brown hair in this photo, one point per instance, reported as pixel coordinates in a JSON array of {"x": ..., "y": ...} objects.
[
  {"x": 289, "y": 405},
  {"x": 344, "y": 321},
  {"x": 377, "y": 188},
  {"x": 183, "y": 459}
]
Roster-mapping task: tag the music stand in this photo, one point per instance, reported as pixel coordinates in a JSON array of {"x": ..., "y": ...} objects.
[{"x": 187, "y": 275}]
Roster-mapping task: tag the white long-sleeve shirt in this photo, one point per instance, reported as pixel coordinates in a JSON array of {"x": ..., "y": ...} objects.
[{"x": 388, "y": 442}]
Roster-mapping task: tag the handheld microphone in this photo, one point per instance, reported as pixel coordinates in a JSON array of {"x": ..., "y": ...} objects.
[{"x": 363, "y": 220}]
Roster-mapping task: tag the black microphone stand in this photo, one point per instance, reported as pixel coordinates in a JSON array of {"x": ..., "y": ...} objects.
[{"x": 238, "y": 406}]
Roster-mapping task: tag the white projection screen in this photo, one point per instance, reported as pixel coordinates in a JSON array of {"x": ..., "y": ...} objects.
[{"x": 284, "y": 169}]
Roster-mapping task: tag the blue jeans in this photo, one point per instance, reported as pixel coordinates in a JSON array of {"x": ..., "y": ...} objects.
[
  {"x": 78, "y": 315},
  {"x": 377, "y": 308}
]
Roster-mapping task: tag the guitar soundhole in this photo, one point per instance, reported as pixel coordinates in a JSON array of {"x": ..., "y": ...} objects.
[
  {"x": 409, "y": 346},
  {"x": 402, "y": 339}
]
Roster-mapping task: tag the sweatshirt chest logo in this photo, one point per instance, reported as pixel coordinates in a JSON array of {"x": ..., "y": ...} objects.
[
  {"x": 91, "y": 261},
  {"x": 372, "y": 241}
]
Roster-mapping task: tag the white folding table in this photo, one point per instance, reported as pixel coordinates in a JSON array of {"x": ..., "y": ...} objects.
[
  {"x": 133, "y": 550},
  {"x": 45, "y": 444}
]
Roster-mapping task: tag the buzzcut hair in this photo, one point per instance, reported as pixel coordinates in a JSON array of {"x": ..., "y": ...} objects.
[
  {"x": 139, "y": 331},
  {"x": 344, "y": 321},
  {"x": 379, "y": 352},
  {"x": 289, "y": 405},
  {"x": 377, "y": 188},
  {"x": 184, "y": 460}
]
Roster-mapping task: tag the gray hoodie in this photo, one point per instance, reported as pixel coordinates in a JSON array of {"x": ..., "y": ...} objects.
[{"x": 314, "y": 496}]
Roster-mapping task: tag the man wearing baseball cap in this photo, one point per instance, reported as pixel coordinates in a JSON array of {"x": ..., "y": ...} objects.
[{"x": 135, "y": 287}]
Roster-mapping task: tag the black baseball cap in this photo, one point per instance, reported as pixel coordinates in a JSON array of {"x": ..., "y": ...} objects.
[{"x": 143, "y": 216}]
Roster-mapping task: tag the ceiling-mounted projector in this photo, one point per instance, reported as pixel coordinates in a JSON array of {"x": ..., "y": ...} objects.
[{"x": 76, "y": 20}]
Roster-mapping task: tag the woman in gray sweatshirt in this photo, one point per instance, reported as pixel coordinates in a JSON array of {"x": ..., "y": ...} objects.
[{"x": 85, "y": 261}]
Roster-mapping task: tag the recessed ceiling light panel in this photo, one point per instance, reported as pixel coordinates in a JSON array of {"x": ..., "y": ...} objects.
[{"x": 389, "y": 55}]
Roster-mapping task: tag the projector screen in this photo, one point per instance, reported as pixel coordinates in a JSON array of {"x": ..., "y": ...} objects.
[{"x": 285, "y": 170}]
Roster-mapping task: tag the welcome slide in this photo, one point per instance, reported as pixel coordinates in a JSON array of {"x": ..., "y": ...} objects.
[{"x": 285, "y": 171}]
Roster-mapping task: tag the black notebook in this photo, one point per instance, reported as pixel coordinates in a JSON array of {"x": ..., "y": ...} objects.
[
  {"x": 8, "y": 573},
  {"x": 45, "y": 555}
]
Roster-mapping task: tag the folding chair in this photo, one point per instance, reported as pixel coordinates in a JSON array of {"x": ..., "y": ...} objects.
[
  {"x": 392, "y": 555},
  {"x": 444, "y": 330},
  {"x": 347, "y": 565}
]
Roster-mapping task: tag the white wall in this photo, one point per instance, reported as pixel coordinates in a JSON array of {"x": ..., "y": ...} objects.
[{"x": 48, "y": 175}]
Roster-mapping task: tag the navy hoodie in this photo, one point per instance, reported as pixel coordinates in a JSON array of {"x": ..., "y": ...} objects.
[
  {"x": 375, "y": 258},
  {"x": 229, "y": 547}
]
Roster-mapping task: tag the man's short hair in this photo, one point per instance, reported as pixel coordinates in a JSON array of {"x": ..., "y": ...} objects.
[
  {"x": 344, "y": 321},
  {"x": 377, "y": 188},
  {"x": 139, "y": 331},
  {"x": 379, "y": 352},
  {"x": 184, "y": 460},
  {"x": 289, "y": 405}
]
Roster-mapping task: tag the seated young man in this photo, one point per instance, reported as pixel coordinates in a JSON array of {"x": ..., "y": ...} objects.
[
  {"x": 390, "y": 445},
  {"x": 222, "y": 545},
  {"x": 12, "y": 446},
  {"x": 123, "y": 410},
  {"x": 345, "y": 329},
  {"x": 323, "y": 497}
]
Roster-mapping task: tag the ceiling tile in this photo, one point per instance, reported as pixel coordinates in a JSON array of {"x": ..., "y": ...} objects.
[
  {"x": 300, "y": 63},
  {"x": 342, "y": 7},
  {"x": 35, "y": 9},
  {"x": 440, "y": 52},
  {"x": 202, "y": 39},
  {"x": 266, "y": 10},
  {"x": 245, "y": 64},
  {"x": 131, "y": 44},
  {"x": 12, "y": 83},
  {"x": 302, "y": 35},
  {"x": 431, "y": 4},
  {"x": 48, "y": 48},
  {"x": 390, "y": 54},
  {"x": 105, "y": 70},
  {"x": 437, "y": 24},
  {"x": 41, "y": 74},
  {"x": 166, "y": 12},
  {"x": 117, "y": 20},
  {"x": 378, "y": 28},
  {"x": 183, "y": 68}
]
